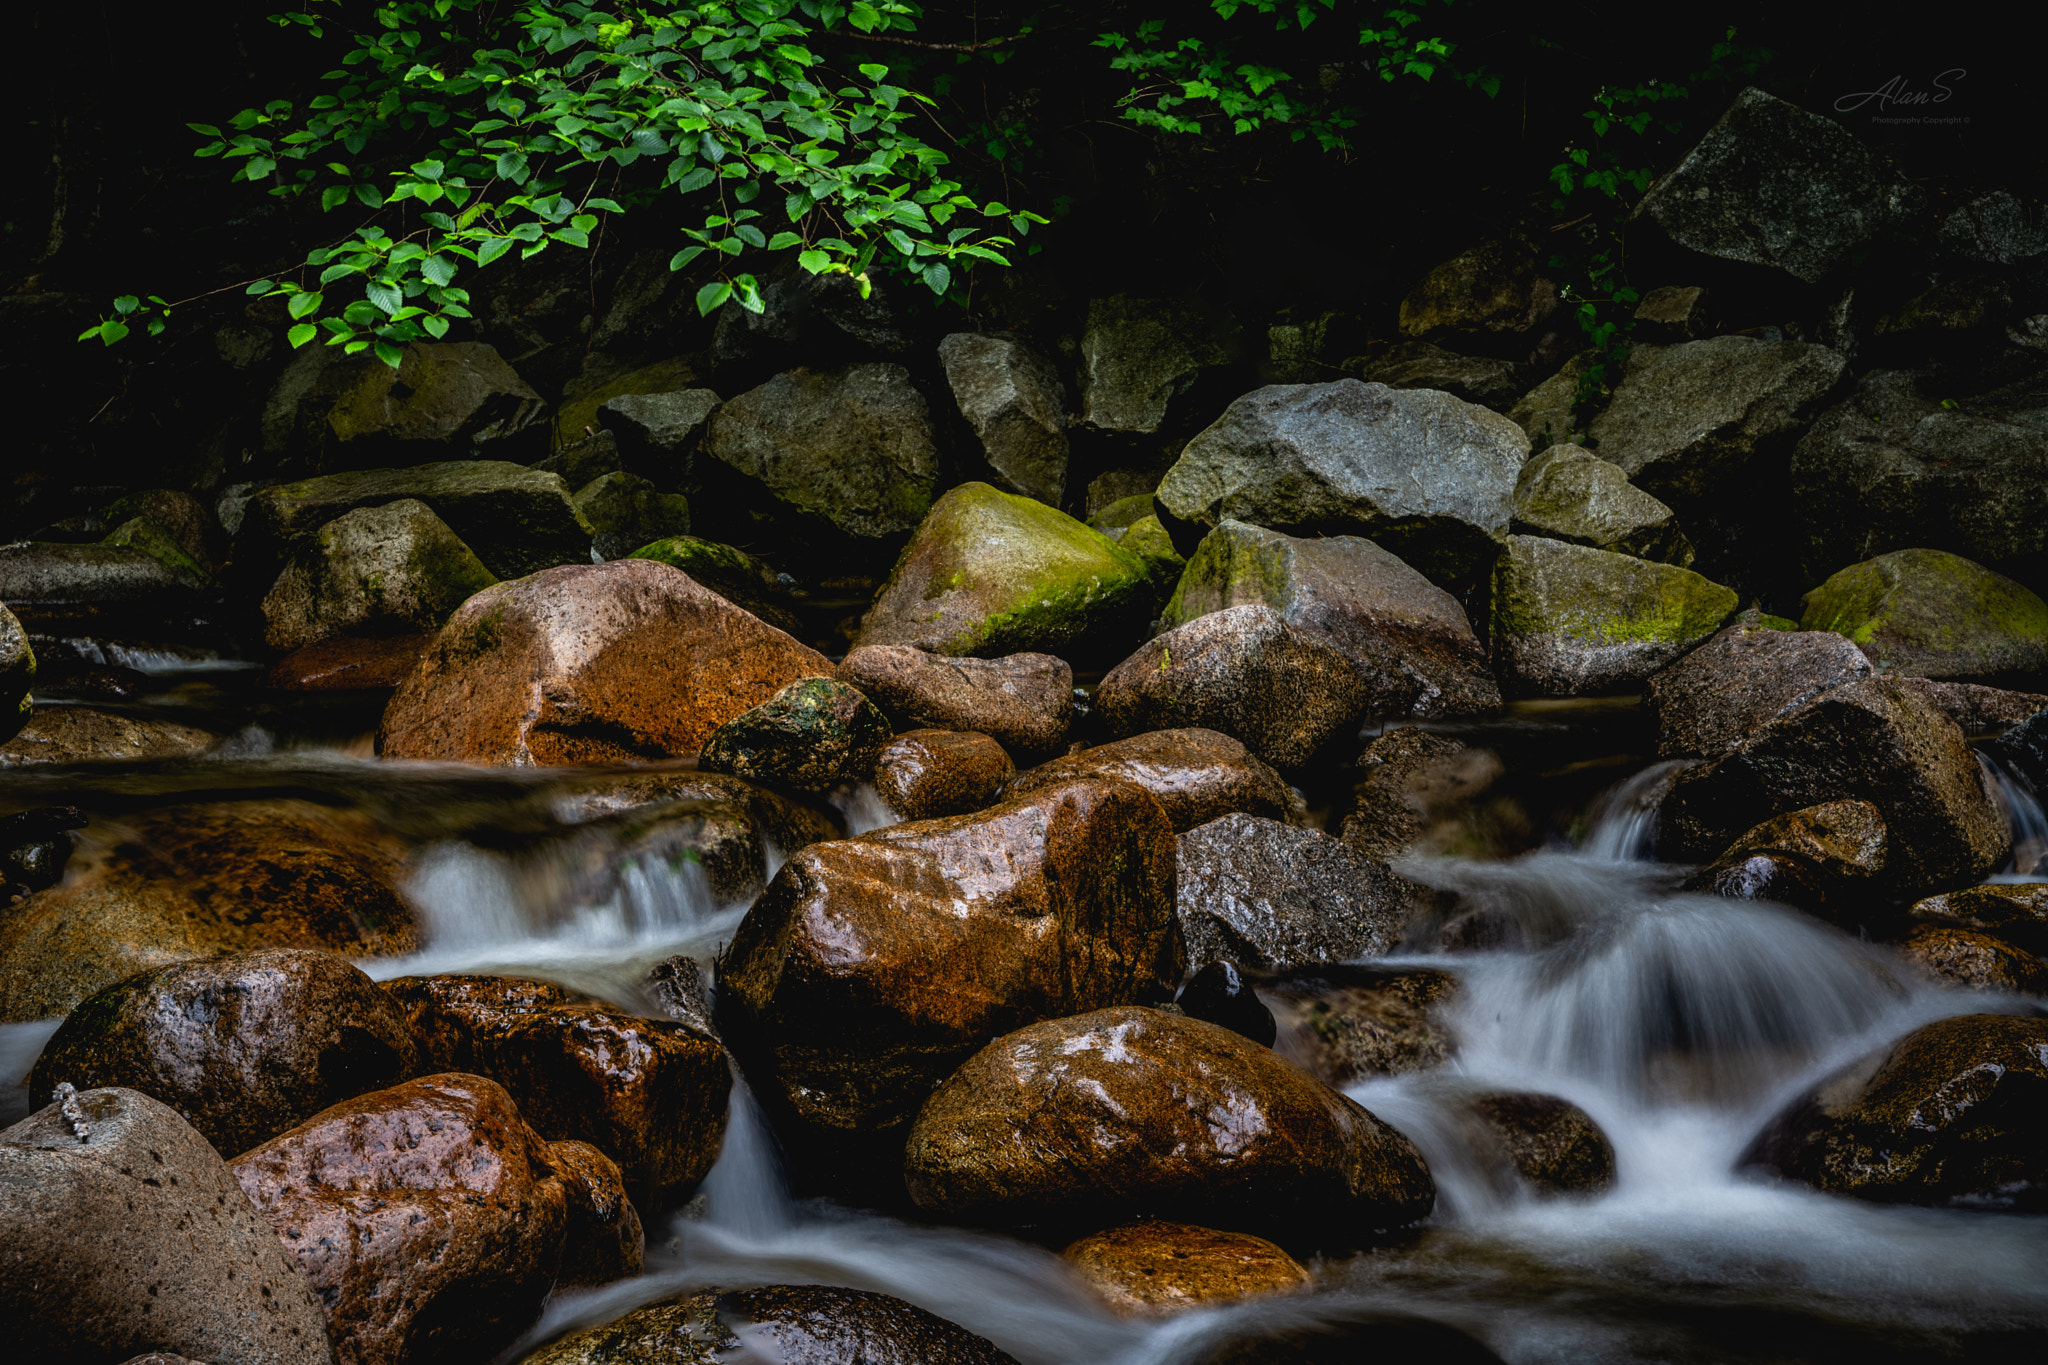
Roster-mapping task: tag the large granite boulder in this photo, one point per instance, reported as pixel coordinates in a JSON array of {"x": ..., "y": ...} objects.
[
  {"x": 660, "y": 435},
  {"x": 1974, "y": 961},
  {"x": 1929, "y": 614},
  {"x": 243, "y": 1046},
  {"x": 1270, "y": 895},
  {"x": 1407, "y": 637},
  {"x": 1119, "y": 1110},
  {"x": 1017, "y": 406},
  {"x": 61, "y": 588},
  {"x": 589, "y": 663},
  {"x": 122, "y": 1232},
  {"x": 991, "y": 573},
  {"x": 17, "y": 675},
  {"x": 1196, "y": 775},
  {"x": 1568, "y": 493},
  {"x": 88, "y": 734},
  {"x": 394, "y": 569},
  {"x": 1025, "y": 702},
  {"x": 1744, "y": 678},
  {"x": 1569, "y": 620},
  {"x": 1428, "y": 476},
  {"x": 1145, "y": 362}
]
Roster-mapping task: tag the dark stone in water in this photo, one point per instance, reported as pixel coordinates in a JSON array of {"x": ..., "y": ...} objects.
[
  {"x": 2024, "y": 749},
  {"x": 1552, "y": 1143},
  {"x": 1765, "y": 876},
  {"x": 1218, "y": 994},
  {"x": 34, "y": 848},
  {"x": 1344, "y": 1022}
]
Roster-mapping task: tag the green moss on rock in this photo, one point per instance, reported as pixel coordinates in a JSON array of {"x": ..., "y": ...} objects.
[{"x": 1930, "y": 614}]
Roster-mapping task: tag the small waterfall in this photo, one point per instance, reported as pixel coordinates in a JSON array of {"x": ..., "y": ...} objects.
[
  {"x": 20, "y": 1045},
  {"x": 863, "y": 808},
  {"x": 2017, "y": 801},
  {"x": 1622, "y": 826}
]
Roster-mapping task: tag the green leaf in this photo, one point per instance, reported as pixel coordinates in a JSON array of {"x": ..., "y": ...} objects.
[
  {"x": 437, "y": 326},
  {"x": 817, "y": 262},
  {"x": 385, "y": 297},
  {"x": 711, "y": 296},
  {"x": 439, "y": 269},
  {"x": 301, "y": 334},
  {"x": 302, "y": 304},
  {"x": 109, "y": 332},
  {"x": 684, "y": 257},
  {"x": 390, "y": 355},
  {"x": 937, "y": 277}
]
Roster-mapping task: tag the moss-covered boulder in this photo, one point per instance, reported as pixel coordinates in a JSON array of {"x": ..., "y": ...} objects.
[
  {"x": 1930, "y": 614},
  {"x": 733, "y": 574},
  {"x": 991, "y": 573},
  {"x": 17, "y": 674},
  {"x": 1569, "y": 620},
  {"x": 390, "y": 570},
  {"x": 626, "y": 512},
  {"x": 1568, "y": 493},
  {"x": 1149, "y": 541},
  {"x": 814, "y": 733}
]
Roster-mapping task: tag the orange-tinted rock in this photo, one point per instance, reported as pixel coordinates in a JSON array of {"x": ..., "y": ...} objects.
[
  {"x": 786, "y": 821},
  {"x": 604, "y": 1240},
  {"x": 589, "y": 664},
  {"x": 926, "y": 774},
  {"x": 1196, "y": 774},
  {"x": 429, "y": 1217},
  {"x": 1826, "y": 859},
  {"x": 1153, "y": 1268},
  {"x": 1551, "y": 1143},
  {"x": 2015, "y": 912},
  {"x": 1762, "y": 877},
  {"x": 1131, "y": 1109},
  {"x": 1025, "y": 702},
  {"x": 348, "y": 664},
  {"x": 1964, "y": 957},
  {"x": 1408, "y": 781}
]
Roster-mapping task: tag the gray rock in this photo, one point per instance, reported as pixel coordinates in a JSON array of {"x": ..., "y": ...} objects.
[
  {"x": 1674, "y": 313},
  {"x": 1408, "y": 781},
  {"x": 389, "y": 570},
  {"x": 1568, "y": 493},
  {"x": 57, "y": 588},
  {"x": 1740, "y": 681},
  {"x": 1343, "y": 1023},
  {"x": 135, "y": 1238},
  {"x": 1772, "y": 186},
  {"x": 83, "y": 734},
  {"x": 17, "y": 675},
  {"x": 849, "y": 447},
  {"x": 1025, "y": 702},
  {"x": 594, "y": 456},
  {"x": 1139, "y": 357},
  {"x": 2024, "y": 749},
  {"x": 1978, "y": 708},
  {"x": 1993, "y": 230},
  {"x": 447, "y": 397},
  {"x": 1430, "y": 477},
  {"x": 1014, "y": 401},
  {"x": 628, "y": 513},
  {"x": 1571, "y": 621},
  {"x": 1265, "y": 894},
  {"x": 1492, "y": 291},
  {"x": 1547, "y": 412},
  {"x": 1495, "y": 384},
  {"x": 661, "y": 433},
  {"x": 1407, "y": 637}
]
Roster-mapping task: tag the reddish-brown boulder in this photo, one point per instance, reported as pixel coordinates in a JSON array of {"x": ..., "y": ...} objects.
[
  {"x": 1197, "y": 775},
  {"x": 349, "y": 664},
  {"x": 1976, "y": 961},
  {"x": 1152, "y": 1269},
  {"x": 926, "y": 774},
  {"x": 1025, "y": 702}
]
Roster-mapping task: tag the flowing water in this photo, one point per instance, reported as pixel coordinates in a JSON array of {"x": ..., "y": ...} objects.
[{"x": 1679, "y": 1022}]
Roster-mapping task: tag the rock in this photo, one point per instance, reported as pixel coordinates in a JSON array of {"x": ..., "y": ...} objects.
[
  {"x": 1154, "y": 1269},
  {"x": 1925, "y": 613},
  {"x": 1490, "y": 383},
  {"x": 1674, "y": 313},
  {"x": 1573, "y": 621},
  {"x": 1491, "y": 293},
  {"x": 1966, "y": 958},
  {"x": 1769, "y": 186},
  {"x": 84, "y": 734},
  {"x": 349, "y": 664},
  {"x": 661, "y": 434},
  {"x": 1014, "y": 401},
  {"x": 1025, "y": 702},
  {"x": 1763, "y": 876},
  {"x": 1142, "y": 359},
  {"x": 1150, "y": 541},
  {"x": 1980, "y": 710},
  {"x": 429, "y": 1217},
  {"x": 648, "y": 1093},
  {"x": 677, "y": 988},
  {"x": 1548, "y": 412},
  {"x": 849, "y": 449},
  {"x": 243, "y": 1046},
  {"x": 1407, "y": 781},
  {"x": 627, "y": 512},
  {"x": 359, "y": 411},
  {"x": 1872, "y": 740},
  {"x": 1941, "y": 1117},
  {"x": 2017, "y": 913},
  {"x": 1270, "y": 895},
  {"x": 2024, "y": 749},
  {"x": 1343, "y": 1023},
  {"x": 389, "y": 570},
  {"x": 990, "y": 573},
  {"x": 588, "y": 663},
  {"x": 35, "y": 844},
  {"x": 134, "y": 1237},
  {"x": 1106, "y": 1113},
  {"x": 871, "y": 967},
  {"x": 735, "y": 575},
  {"x": 1287, "y": 692},
  {"x": 1349, "y": 457},
  {"x": 1219, "y": 994},
  {"x": 1746, "y": 677},
  {"x": 1828, "y": 859},
  {"x": 1407, "y": 637},
  {"x": 160, "y": 543},
  {"x": 181, "y": 524},
  {"x": 774, "y": 818},
  {"x": 1551, "y": 1143},
  {"x": 17, "y": 675},
  {"x": 710, "y": 838},
  {"x": 604, "y": 1240},
  {"x": 64, "y": 589},
  {"x": 813, "y": 318},
  {"x": 183, "y": 882},
  {"x": 927, "y": 774},
  {"x": 1992, "y": 230},
  {"x": 582, "y": 460},
  {"x": 1196, "y": 775},
  {"x": 813, "y": 734},
  {"x": 796, "y": 1324},
  {"x": 516, "y": 520},
  {"x": 1568, "y": 493}
]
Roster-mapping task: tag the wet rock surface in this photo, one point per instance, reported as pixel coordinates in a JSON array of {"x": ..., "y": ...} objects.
[
  {"x": 927, "y": 774},
  {"x": 1196, "y": 775},
  {"x": 1025, "y": 702},
  {"x": 87, "y": 734},
  {"x": 1270, "y": 895},
  {"x": 1154, "y": 1269},
  {"x": 1219, "y": 994},
  {"x": 1744, "y": 678},
  {"x": 1551, "y": 1143},
  {"x": 1975, "y": 961},
  {"x": 1407, "y": 780},
  {"x": 1346, "y": 1023},
  {"x": 814, "y": 733},
  {"x": 2016, "y": 913},
  {"x": 1828, "y": 859}
]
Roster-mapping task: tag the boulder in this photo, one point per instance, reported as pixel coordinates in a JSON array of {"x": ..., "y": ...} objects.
[
  {"x": 1196, "y": 775},
  {"x": 589, "y": 663},
  {"x": 1568, "y": 493},
  {"x": 55, "y": 588},
  {"x": 1552, "y": 1144},
  {"x": 243, "y": 1046},
  {"x": 429, "y": 1218},
  {"x": 697, "y": 833},
  {"x": 626, "y": 512},
  {"x": 1346, "y": 1023},
  {"x": 1872, "y": 740},
  {"x": 1145, "y": 363},
  {"x": 926, "y": 774},
  {"x": 1549, "y": 412},
  {"x": 1151, "y": 542},
  {"x": 1488, "y": 382},
  {"x": 1407, "y": 780},
  {"x": 1270, "y": 895},
  {"x": 1947, "y": 1115},
  {"x": 1428, "y": 476},
  {"x": 1025, "y": 702},
  {"x": 2015, "y": 912},
  {"x": 991, "y": 573},
  {"x": 660, "y": 434},
  {"x": 1013, "y": 399},
  {"x": 1837, "y": 855},
  {"x": 735, "y": 575},
  {"x": 1154, "y": 1269},
  {"x": 813, "y": 734},
  {"x": 1219, "y": 994},
  {"x": 1493, "y": 293},
  {"x": 1974, "y": 961},
  {"x": 871, "y": 967},
  {"x": 86, "y": 734},
  {"x": 1746, "y": 677},
  {"x": 799, "y": 1324},
  {"x": 516, "y": 520},
  {"x": 648, "y": 1093},
  {"x": 331, "y": 412},
  {"x": 1764, "y": 875},
  {"x": 1979, "y": 709},
  {"x": 1407, "y": 637},
  {"x": 1118, "y": 1110},
  {"x": 121, "y": 1231},
  {"x": 774, "y": 818},
  {"x": 35, "y": 844},
  {"x": 1929, "y": 614},
  {"x": 1770, "y": 186},
  {"x": 2024, "y": 749},
  {"x": 1571, "y": 621},
  {"x": 184, "y": 882},
  {"x": 17, "y": 675},
  {"x": 848, "y": 449},
  {"x": 390, "y": 570},
  {"x": 1992, "y": 230},
  {"x": 349, "y": 664},
  {"x": 813, "y": 318},
  {"x": 174, "y": 522},
  {"x": 1673, "y": 313}
]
